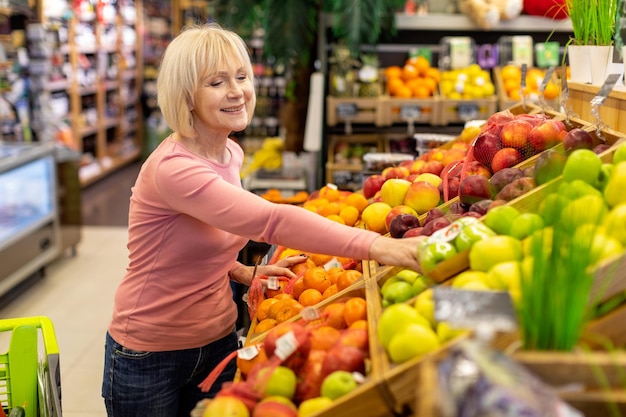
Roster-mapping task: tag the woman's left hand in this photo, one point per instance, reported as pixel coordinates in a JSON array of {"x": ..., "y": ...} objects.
[{"x": 282, "y": 267}]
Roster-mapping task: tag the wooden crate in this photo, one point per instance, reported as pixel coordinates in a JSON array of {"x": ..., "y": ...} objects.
[
  {"x": 426, "y": 110},
  {"x": 461, "y": 111},
  {"x": 333, "y": 165},
  {"x": 611, "y": 112},
  {"x": 504, "y": 102},
  {"x": 367, "y": 110}
]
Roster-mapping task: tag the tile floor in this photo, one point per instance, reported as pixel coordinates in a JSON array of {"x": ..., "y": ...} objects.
[{"x": 76, "y": 294}]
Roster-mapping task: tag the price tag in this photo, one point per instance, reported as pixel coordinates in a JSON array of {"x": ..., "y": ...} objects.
[
  {"x": 358, "y": 377},
  {"x": 333, "y": 263},
  {"x": 547, "y": 54},
  {"x": 487, "y": 56},
  {"x": 467, "y": 111},
  {"x": 285, "y": 345},
  {"x": 272, "y": 283},
  {"x": 248, "y": 353},
  {"x": 448, "y": 233},
  {"x": 410, "y": 112},
  {"x": 465, "y": 309},
  {"x": 546, "y": 79},
  {"x": 522, "y": 50},
  {"x": 461, "y": 52},
  {"x": 346, "y": 110},
  {"x": 310, "y": 313},
  {"x": 605, "y": 90}
]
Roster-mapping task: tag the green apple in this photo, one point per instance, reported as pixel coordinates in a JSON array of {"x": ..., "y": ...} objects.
[
  {"x": 583, "y": 164},
  {"x": 394, "y": 318},
  {"x": 525, "y": 225},
  {"x": 601, "y": 245},
  {"x": 279, "y": 399},
  {"x": 388, "y": 282},
  {"x": 542, "y": 238},
  {"x": 508, "y": 274},
  {"x": 619, "y": 155},
  {"x": 281, "y": 382},
  {"x": 421, "y": 284},
  {"x": 425, "y": 306},
  {"x": 471, "y": 233},
  {"x": 313, "y": 406},
  {"x": 434, "y": 253},
  {"x": 478, "y": 280},
  {"x": 614, "y": 191},
  {"x": 393, "y": 191},
  {"x": 500, "y": 218},
  {"x": 587, "y": 209},
  {"x": 488, "y": 252},
  {"x": 615, "y": 223},
  {"x": 445, "y": 332},
  {"x": 412, "y": 341},
  {"x": 605, "y": 174},
  {"x": 577, "y": 188},
  {"x": 550, "y": 208},
  {"x": 408, "y": 275},
  {"x": 397, "y": 292},
  {"x": 226, "y": 405},
  {"x": 338, "y": 384}
]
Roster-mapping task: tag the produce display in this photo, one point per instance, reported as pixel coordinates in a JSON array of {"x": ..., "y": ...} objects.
[
  {"x": 468, "y": 83},
  {"x": 415, "y": 79},
  {"x": 511, "y": 78}
]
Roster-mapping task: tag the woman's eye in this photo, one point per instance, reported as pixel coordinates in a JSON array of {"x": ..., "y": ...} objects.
[{"x": 242, "y": 77}]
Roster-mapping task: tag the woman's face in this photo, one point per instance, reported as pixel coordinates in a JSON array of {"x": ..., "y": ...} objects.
[{"x": 224, "y": 102}]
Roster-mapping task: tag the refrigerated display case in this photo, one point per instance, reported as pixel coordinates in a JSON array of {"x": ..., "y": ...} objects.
[{"x": 29, "y": 225}]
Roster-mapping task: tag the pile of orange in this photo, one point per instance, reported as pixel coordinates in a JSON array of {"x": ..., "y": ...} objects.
[
  {"x": 415, "y": 79},
  {"x": 512, "y": 78},
  {"x": 344, "y": 207}
]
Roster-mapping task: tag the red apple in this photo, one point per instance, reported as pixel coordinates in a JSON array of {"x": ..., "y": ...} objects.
[
  {"x": 518, "y": 187},
  {"x": 433, "y": 226},
  {"x": 506, "y": 158},
  {"x": 416, "y": 231},
  {"x": 342, "y": 357},
  {"x": 241, "y": 390},
  {"x": 372, "y": 184},
  {"x": 433, "y": 214},
  {"x": 515, "y": 133},
  {"x": 397, "y": 210},
  {"x": 406, "y": 163},
  {"x": 401, "y": 223},
  {"x": 395, "y": 172},
  {"x": 432, "y": 167},
  {"x": 475, "y": 188},
  {"x": 500, "y": 118},
  {"x": 577, "y": 138},
  {"x": 274, "y": 408},
  {"x": 485, "y": 147},
  {"x": 547, "y": 134},
  {"x": 416, "y": 166},
  {"x": 476, "y": 168},
  {"x": 422, "y": 196},
  {"x": 310, "y": 376},
  {"x": 355, "y": 337}
]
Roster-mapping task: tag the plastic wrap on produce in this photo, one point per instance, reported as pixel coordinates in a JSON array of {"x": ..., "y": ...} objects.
[{"x": 476, "y": 381}]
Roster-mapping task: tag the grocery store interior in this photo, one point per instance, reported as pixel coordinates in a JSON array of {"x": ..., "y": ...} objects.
[{"x": 336, "y": 105}]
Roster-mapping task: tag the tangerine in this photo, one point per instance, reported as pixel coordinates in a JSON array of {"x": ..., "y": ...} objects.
[
  {"x": 336, "y": 218},
  {"x": 310, "y": 297},
  {"x": 409, "y": 72},
  {"x": 347, "y": 278},
  {"x": 333, "y": 314},
  {"x": 330, "y": 192},
  {"x": 359, "y": 324},
  {"x": 355, "y": 309},
  {"x": 330, "y": 291},
  {"x": 328, "y": 209},
  {"x": 393, "y": 71},
  {"x": 393, "y": 85},
  {"x": 404, "y": 92},
  {"x": 317, "y": 278},
  {"x": 300, "y": 269},
  {"x": 349, "y": 215},
  {"x": 551, "y": 92},
  {"x": 245, "y": 365},
  {"x": 265, "y": 325},
  {"x": 287, "y": 310},
  {"x": 357, "y": 200},
  {"x": 324, "y": 337},
  {"x": 333, "y": 273},
  {"x": 271, "y": 293},
  {"x": 298, "y": 287},
  {"x": 320, "y": 259},
  {"x": 422, "y": 64},
  {"x": 263, "y": 309}
]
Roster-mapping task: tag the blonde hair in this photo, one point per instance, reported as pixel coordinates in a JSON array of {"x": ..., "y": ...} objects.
[{"x": 197, "y": 52}]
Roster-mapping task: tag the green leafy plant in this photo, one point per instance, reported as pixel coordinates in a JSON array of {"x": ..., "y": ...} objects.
[{"x": 593, "y": 21}]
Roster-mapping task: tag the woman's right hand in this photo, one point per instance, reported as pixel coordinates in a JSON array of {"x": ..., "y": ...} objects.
[{"x": 397, "y": 252}]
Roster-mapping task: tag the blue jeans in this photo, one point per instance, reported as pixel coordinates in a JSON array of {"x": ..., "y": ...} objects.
[{"x": 161, "y": 384}]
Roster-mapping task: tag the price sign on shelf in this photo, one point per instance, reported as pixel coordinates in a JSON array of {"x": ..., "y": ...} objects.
[
  {"x": 347, "y": 110},
  {"x": 410, "y": 111},
  {"x": 467, "y": 111}
]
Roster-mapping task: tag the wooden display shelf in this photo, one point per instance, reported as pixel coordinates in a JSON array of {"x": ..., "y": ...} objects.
[
  {"x": 610, "y": 112},
  {"x": 504, "y": 102},
  {"x": 423, "y": 111}
]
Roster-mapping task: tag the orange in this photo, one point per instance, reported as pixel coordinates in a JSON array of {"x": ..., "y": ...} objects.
[
  {"x": 393, "y": 71},
  {"x": 359, "y": 324},
  {"x": 349, "y": 215},
  {"x": 336, "y": 218},
  {"x": 333, "y": 273},
  {"x": 298, "y": 287},
  {"x": 317, "y": 278},
  {"x": 283, "y": 296},
  {"x": 320, "y": 259},
  {"x": 421, "y": 91},
  {"x": 355, "y": 309},
  {"x": 265, "y": 325},
  {"x": 433, "y": 73},
  {"x": 310, "y": 297},
  {"x": 273, "y": 293},
  {"x": 262, "y": 311},
  {"x": 324, "y": 337},
  {"x": 289, "y": 252},
  {"x": 328, "y": 209},
  {"x": 403, "y": 92},
  {"x": 393, "y": 85},
  {"x": 511, "y": 71},
  {"x": 246, "y": 365},
  {"x": 330, "y": 291},
  {"x": 288, "y": 309},
  {"x": 347, "y": 278},
  {"x": 330, "y": 192},
  {"x": 300, "y": 269},
  {"x": 409, "y": 72},
  {"x": 551, "y": 92},
  {"x": 357, "y": 201},
  {"x": 431, "y": 84},
  {"x": 422, "y": 64},
  {"x": 333, "y": 315}
]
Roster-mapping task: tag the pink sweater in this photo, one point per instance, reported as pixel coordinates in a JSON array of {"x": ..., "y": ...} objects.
[{"x": 188, "y": 220}]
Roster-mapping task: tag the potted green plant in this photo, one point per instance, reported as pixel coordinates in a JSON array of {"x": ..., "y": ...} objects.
[{"x": 590, "y": 50}]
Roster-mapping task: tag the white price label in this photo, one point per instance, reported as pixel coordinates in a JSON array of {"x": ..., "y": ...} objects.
[
  {"x": 310, "y": 313},
  {"x": 286, "y": 345},
  {"x": 248, "y": 353},
  {"x": 272, "y": 283},
  {"x": 333, "y": 263}
]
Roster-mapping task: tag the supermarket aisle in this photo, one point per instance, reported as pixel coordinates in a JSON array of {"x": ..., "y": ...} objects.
[{"x": 76, "y": 294}]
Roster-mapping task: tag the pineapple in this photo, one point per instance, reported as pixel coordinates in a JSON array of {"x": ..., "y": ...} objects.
[{"x": 368, "y": 76}]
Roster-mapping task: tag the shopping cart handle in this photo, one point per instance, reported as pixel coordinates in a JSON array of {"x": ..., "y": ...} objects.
[{"x": 41, "y": 322}]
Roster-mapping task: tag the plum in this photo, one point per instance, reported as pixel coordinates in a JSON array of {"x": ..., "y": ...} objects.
[
  {"x": 518, "y": 187},
  {"x": 505, "y": 176},
  {"x": 577, "y": 138},
  {"x": 401, "y": 223},
  {"x": 481, "y": 206},
  {"x": 474, "y": 188}
]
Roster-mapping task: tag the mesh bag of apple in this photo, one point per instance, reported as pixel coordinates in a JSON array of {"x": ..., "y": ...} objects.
[{"x": 300, "y": 366}]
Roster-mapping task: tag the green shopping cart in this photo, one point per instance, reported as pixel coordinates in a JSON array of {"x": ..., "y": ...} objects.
[{"x": 29, "y": 371}]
